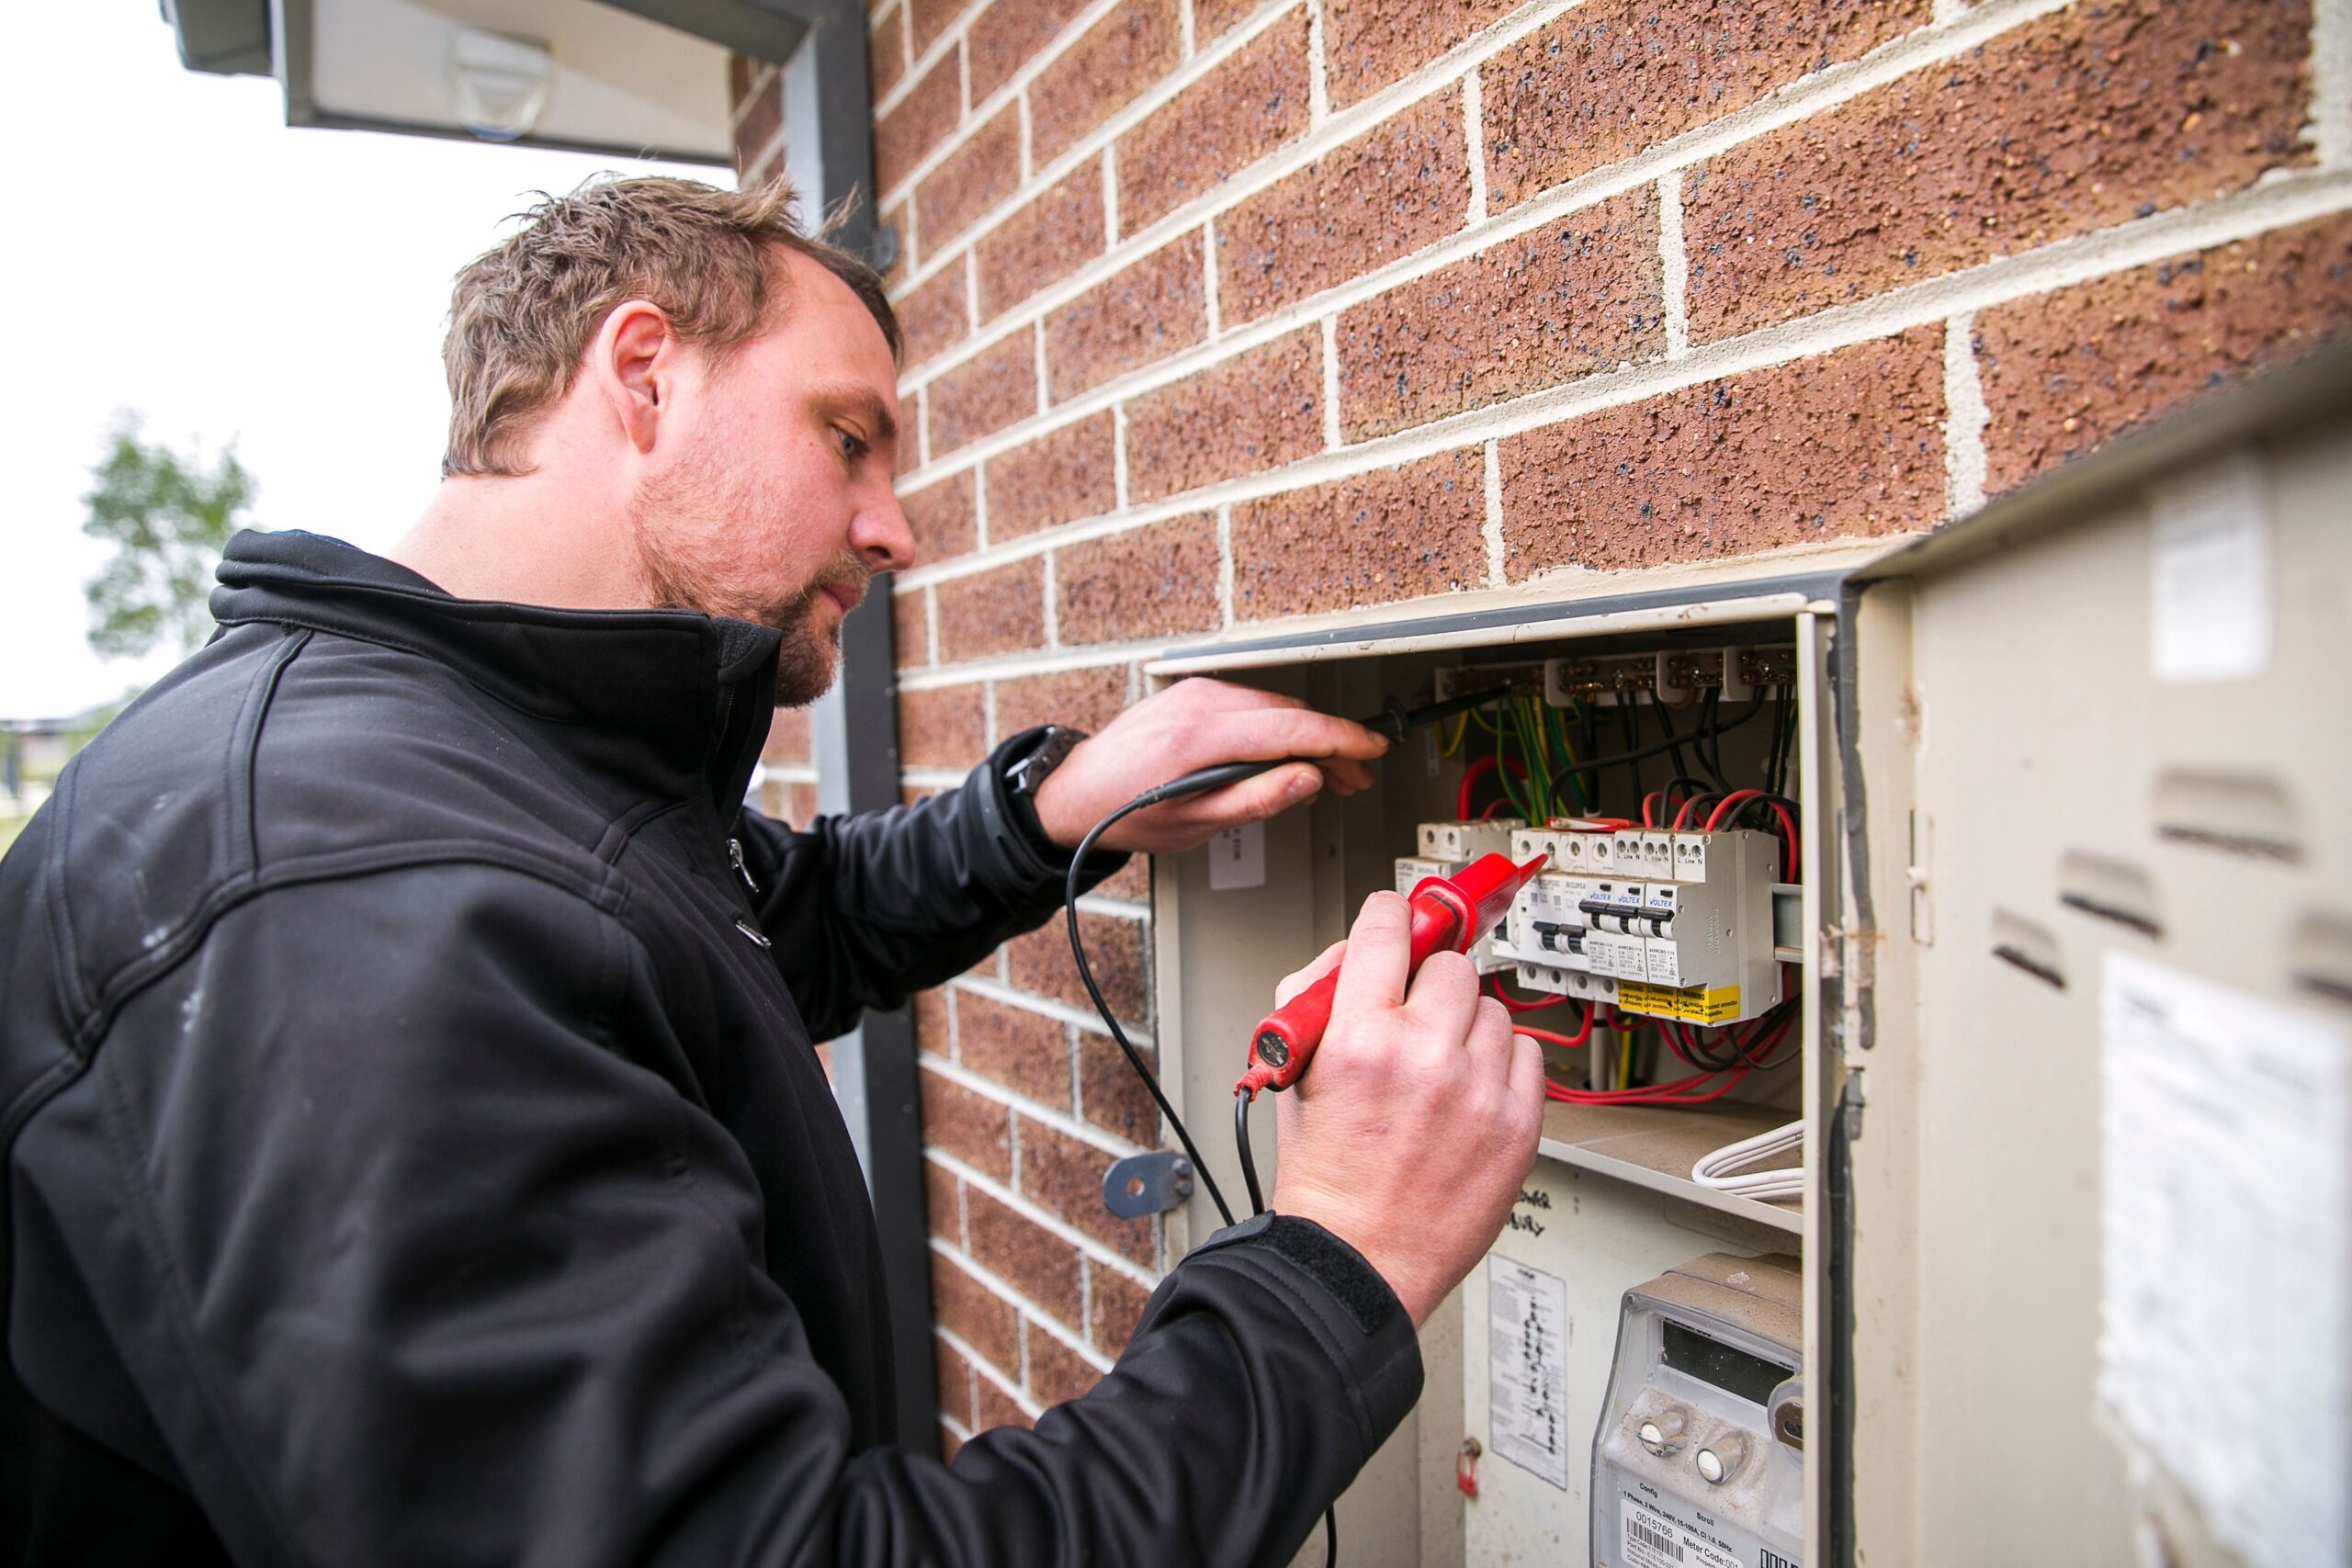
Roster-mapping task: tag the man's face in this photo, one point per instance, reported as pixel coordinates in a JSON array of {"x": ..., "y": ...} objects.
[{"x": 773, "y": 503}]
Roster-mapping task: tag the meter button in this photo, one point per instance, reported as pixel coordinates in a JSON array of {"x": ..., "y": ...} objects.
[
  {"x": 1711, "y": 1466},
  {"x": 1662, "y": 1433}
]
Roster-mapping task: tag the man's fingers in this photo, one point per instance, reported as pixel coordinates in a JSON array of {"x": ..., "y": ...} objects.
[
  {"x": 1526, "y": 1079},
  {"x": 1443, "y": 1002},
  {"x": 1324, "y": 963},
  {"x": 1372, "y": 976},
  {"x": 1278, "y": 731}
]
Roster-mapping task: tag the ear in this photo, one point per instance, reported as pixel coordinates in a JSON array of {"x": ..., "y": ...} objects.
[{"x": 633, "y": 364}]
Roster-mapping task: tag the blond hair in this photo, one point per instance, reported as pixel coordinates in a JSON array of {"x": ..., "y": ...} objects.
[{"x": 521, "y": 315}]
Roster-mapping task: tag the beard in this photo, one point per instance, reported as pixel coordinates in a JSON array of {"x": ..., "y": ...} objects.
[{"x": 812, "y": 642}]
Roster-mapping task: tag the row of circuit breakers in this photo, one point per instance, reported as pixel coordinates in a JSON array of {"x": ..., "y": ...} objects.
[{"x": 1668, "y": 923}]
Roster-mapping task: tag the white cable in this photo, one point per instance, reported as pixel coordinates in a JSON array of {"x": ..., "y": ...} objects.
[{"x": 1715, "y": 1170}]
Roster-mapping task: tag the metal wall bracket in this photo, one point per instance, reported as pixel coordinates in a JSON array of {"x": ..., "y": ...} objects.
[{"x": 1142, "y": 1184}]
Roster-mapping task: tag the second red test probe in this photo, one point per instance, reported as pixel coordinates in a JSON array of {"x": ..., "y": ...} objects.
[{"x": 1449, "y": 914}]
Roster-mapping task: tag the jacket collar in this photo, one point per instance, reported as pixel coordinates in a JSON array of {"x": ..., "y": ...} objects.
[{"x": 666, "y": 701}]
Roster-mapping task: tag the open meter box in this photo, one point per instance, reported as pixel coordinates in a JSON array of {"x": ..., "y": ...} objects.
[{"x": 2002, "y": 874}]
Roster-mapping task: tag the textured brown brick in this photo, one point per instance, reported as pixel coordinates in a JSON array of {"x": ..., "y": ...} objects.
[
  {"x": 1064, "y": 1177},
  {"x": 950, "y": 1445},
  {"x": 1001, "y": 611},
  {"x": 1003, "y": 38},
  {"x": 2082, "y": 119},
  {"x": 1025, "y": 1051},
  {"x": 758, "y": 118},
  {"x": 943, "y": 1194},
  {"x": 1131, "y": 881},
  {"x": 1840, "y": 445},
  {"x": 910, "y": 630},
  {"x": 1039, "y": 961},
  {"x": 944, "y": 727},
  {"x": 1252, "y": 103},
  {"x": 899, "y": 215},
  {"x": 1082, "y": 699},
  {"x": 916, "y": 123},
  {"x": 973, "y": 1313},
  {"x": 936, "y": 317},
  {"x": 1613, "y": 77},
  {"x": 981, "y": 396},
  {"x": 1369, "y": 44},
  {"x": 1148, "y": 582},
  {"x": 969, "y": 181},
  {"x": 1055, "y": 1372},
  {"x": 1043, "y": 243},
  {"x": 885, "y": 56},
  {"x": 1393, "y": 534},
  {"x": 942, "y": 517},
  {"x": 931, "y": 1021},
  {"x": 1398, "y": 186},
  {"x": 2066, "y": 371},
  {"x": 787, "y": 739},
  {"x": 1060, "y": 478},
  {"x": 930, "y": 18},
  {"x": 1098, "y": 75},
  {"x": 996, "y": 1406},
  {"x": 801, "y": 804},
  {"x": 741, "y": 71},
  {"x": 1575, "y": 297},
  {"x": 1112, "y": 1096},
  {"x": 1149, "y": 310},
  {"x": 1257, "y": 411},
  {"x": 1118, "y": 1303},
  {"x": 973, "y": 1128},
  {"x": 954, "y": 1380},
  {"x": 1035, "y": 1261},
  {"x": 1213, "y": 18}
]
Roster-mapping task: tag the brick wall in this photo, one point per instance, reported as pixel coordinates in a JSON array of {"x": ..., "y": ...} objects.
[{"x": 1221, "y": 313}]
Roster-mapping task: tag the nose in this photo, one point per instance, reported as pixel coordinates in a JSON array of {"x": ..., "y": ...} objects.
[{"x": 881, "y": 536}]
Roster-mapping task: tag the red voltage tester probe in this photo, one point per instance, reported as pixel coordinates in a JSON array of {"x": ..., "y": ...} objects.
[{"x": 1449, "y": 915}]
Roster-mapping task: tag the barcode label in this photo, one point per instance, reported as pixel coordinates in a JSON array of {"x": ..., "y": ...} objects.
[
  {"x": 1652, "y": 1536},
  {"x": 1657, "y": 1540}
]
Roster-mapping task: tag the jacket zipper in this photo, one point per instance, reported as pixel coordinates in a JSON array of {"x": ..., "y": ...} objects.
[{"x": 735, "y": 859}]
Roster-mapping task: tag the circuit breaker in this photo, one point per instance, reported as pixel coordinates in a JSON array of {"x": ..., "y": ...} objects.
[{"x": 1671, "y": 924}]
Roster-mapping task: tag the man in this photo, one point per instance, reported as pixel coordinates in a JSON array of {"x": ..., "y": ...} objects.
[{"x": 415, "y": 1151}]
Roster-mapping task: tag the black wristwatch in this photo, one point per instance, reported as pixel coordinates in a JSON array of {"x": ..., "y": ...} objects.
[{"x": 1022, "y": 779}]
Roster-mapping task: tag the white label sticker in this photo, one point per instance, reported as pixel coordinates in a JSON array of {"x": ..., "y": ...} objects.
[
  {"x": 2226, "y": 1255},
  {"x": 1238, "y": 858},
  {"x": 1527, "y": 1320},
  {"x": 2208, "y": 611},
  {"x": 1655, "y": 1538}
]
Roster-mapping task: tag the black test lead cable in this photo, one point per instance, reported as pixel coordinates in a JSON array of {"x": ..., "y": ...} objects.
[{"x": 1395, "y": 721}]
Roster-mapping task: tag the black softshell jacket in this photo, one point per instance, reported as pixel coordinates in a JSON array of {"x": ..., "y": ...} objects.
[{"x": 415, "y": 1151}]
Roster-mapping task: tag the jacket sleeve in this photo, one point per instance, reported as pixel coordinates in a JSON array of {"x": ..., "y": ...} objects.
[
  {"x": 417, "y": 1253},
  {"x": 865, "y": 911}
]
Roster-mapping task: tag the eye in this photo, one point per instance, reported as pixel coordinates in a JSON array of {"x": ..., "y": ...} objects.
[{"x": 851, "y": 446}]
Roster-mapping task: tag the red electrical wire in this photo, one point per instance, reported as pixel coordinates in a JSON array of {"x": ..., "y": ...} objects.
[
  {"x": 1478, "y": 769},
  {"x": 1492, "y": 807},
  {"x": 1739, "y": 797},
  {"x": 1518, "y": 1006}
]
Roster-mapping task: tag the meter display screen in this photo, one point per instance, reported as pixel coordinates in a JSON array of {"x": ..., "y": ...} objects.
[{"x": 1736, "y": 1373}]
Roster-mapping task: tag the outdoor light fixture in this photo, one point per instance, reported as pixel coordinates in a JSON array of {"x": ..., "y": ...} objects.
[{"x": 497, "y": 83}]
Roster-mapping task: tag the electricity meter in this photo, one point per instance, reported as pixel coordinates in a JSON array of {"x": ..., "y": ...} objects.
[{"x": 1699, "y": 1462}]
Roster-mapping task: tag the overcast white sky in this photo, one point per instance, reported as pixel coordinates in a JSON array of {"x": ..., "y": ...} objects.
[{"x": 175, "y": 250}]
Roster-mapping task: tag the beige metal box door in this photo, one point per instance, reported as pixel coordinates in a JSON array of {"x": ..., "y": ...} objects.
[{"x": 2096, "y": 746}]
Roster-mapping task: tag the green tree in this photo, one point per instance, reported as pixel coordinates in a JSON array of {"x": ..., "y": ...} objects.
[{"x": 168, "y": 517}]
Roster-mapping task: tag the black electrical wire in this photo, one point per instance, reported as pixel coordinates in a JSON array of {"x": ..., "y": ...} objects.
[
  {"x": 1666, "y": 723},
  {"x": 1657, "y": 748},
  {"x": 1629, "y": 723},
  {"x": 1241, "y": 1146}
]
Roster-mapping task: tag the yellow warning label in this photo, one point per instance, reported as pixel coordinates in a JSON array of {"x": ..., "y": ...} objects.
[{"x": 1691, "y": 1004}]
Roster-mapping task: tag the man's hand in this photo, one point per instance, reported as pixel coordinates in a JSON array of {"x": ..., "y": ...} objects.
[
  {"x": 1417, "y": 1121},
  {"x": 1195, "y": 724}
]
